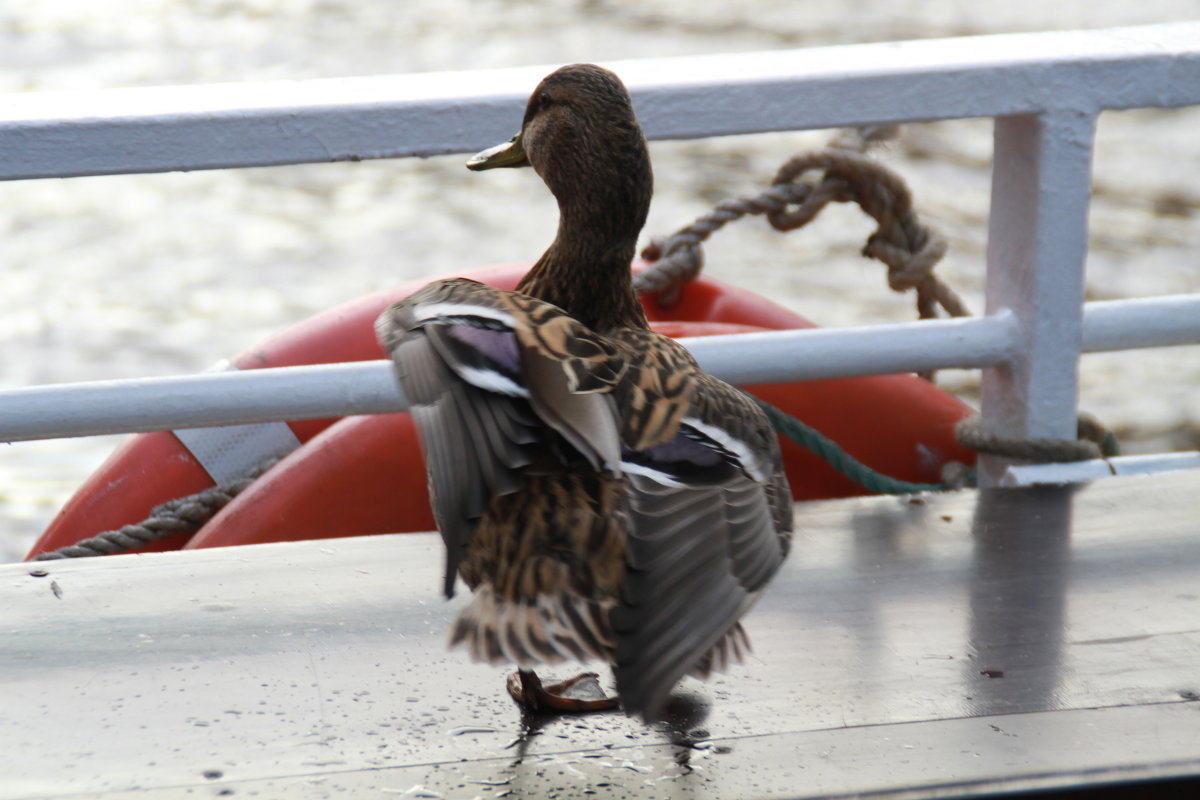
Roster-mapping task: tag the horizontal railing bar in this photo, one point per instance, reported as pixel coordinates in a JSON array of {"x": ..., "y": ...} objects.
[
  {"x": 136, "y": 405},
  {"x": 157, "y": 129},
  {"x": 819, "y": 353},
  {"x": 1141, "y": 322},
  {"x": 1058, "y": 474},
  {"x": 332, "y": 390}
]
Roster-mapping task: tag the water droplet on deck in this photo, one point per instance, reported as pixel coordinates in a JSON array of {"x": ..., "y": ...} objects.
[{"x": 472, "y": 729}]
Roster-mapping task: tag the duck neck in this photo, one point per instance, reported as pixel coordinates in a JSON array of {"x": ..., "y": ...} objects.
[{"x": 586, "y": 271}]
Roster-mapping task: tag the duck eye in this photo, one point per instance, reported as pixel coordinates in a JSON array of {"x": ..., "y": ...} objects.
[{"x": 545, "y": 100}]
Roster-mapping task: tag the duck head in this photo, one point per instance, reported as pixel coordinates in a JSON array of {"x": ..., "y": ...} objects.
[{"x": 581, "y": 136}]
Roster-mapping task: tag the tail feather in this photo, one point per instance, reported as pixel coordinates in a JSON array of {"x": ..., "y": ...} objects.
[
  {"x": 549, "y": 630},
  {"x": 732, "y": 649}
]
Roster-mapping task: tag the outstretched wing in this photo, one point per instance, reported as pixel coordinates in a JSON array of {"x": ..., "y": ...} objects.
[
  {"x": 491, "y": 376},
  {"x": 711, "y": 525}
]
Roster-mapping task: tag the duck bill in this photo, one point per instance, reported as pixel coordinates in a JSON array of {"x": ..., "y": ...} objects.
[{"x": 509, "y": 154}]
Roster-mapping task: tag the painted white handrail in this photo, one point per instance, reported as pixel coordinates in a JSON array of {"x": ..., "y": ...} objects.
[
  {"x": 158, "y": 129},
  {"x": 1045, "y": 91},
  {"x": 367, "y": 387}
]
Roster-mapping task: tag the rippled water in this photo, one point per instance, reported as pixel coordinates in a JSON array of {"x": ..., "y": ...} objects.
[{"x": 164, "y": 274}]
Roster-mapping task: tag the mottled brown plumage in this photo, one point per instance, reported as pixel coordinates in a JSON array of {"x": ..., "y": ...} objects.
[{"x": 600, "y": 495}]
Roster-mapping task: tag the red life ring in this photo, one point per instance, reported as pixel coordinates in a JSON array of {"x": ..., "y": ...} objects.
[{"x": 363, "y": 475}]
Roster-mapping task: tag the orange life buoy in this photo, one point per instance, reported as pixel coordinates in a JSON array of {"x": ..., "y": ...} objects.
[{"x": 363, "y": 475}]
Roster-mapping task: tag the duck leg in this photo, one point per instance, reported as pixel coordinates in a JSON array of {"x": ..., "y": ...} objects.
[{"x": 528, "y": 690}]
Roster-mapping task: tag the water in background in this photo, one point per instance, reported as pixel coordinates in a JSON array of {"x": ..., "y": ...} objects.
[{"x": 130, "y": 276}]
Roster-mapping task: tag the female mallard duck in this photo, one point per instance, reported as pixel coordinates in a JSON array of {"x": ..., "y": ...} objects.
[{"x": 600, "y": 494}]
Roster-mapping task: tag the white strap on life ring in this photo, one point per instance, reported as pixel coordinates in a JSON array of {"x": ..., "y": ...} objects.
[{"x": 229, "y": 452}]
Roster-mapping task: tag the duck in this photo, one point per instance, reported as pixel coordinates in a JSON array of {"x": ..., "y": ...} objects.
[{"x": 601, "y": 496}]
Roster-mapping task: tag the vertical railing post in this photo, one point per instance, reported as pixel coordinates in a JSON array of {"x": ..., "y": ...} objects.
[{"x": 1037, "y": 243}]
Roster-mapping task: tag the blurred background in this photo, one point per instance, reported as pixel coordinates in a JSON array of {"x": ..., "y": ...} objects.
[{"x": 128, "y": 276}]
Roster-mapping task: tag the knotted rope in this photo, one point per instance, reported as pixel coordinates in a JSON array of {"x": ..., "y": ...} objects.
[
  {"x": 801, "y": 189},
  {"x": 182, "y": 515}
]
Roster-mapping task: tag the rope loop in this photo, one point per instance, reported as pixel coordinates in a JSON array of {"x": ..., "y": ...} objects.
[
  {"x": 802, "y": 188},
  {"x": 1094, "y": 442}
]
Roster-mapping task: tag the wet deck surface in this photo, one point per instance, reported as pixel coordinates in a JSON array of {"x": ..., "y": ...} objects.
[{"x": 962, "y": 644}]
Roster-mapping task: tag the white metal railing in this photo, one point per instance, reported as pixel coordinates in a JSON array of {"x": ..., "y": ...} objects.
[
  {"x": 368, "y": 387},
  {"x": 1044, "y": 90}
]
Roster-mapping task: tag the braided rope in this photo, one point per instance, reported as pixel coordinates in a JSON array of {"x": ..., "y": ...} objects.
[
  {"x": 801, "y": 189},
  {"x": 1095, "y": 441},
  {"x": 679, "y": 258},
  {"x": 832, "y": 453},
  {"x": 182, "y": 515}
]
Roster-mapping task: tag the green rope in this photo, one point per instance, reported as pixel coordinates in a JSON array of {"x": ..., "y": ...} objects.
[{"x": 828, "y": 450}]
